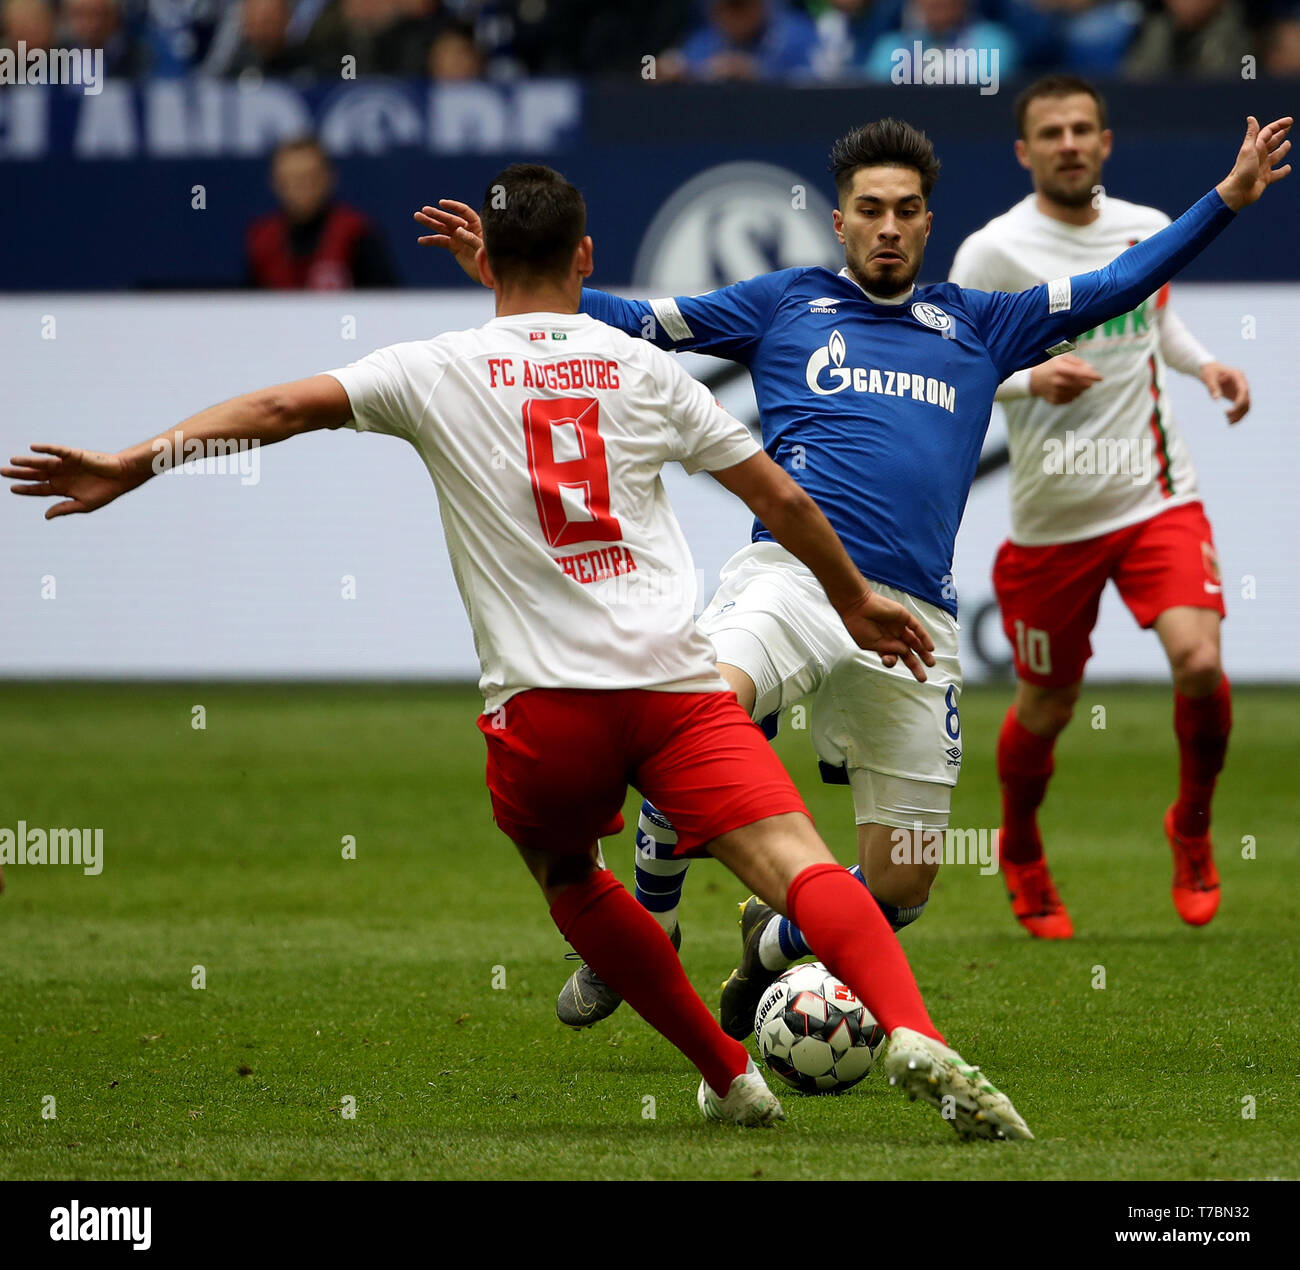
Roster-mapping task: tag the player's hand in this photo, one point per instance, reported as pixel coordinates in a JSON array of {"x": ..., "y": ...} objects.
[
  {"x": 457, "y": 228},
  {"x": 1062, "y": 379},
  {"x": 85, "y": 479},
  {"x": 1228, "y": 381},
  {"x": 1256, "y": 167},
  {"x": 884, "y": 626}
]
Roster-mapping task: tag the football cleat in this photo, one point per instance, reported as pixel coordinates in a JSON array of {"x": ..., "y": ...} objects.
[
  {"x": 744, "y": 987},
  {"x": 925, "y": 1068},
  {"x": 749, "y": 1101},
  {"x": 1034, "y": 900},
  {"x": 1195, "y": 888},
  {"x": 587, "y": 999}
]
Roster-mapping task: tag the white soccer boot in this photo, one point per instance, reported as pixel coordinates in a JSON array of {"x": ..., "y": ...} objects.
[
  {"x": 925, "y": 1068},
  {"x": 749, "y": 1101}
]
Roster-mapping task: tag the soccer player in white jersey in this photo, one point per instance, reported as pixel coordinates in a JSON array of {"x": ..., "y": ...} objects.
[
  {"x": 1102, "y": 489},
  {"x": 868, "y": 371},
  {"x": 544, "y": 432}
]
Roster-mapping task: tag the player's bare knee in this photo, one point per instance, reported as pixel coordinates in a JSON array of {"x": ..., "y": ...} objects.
[
  {"x": 1046, "y": 711},
  {"x": 555, "y": 871},
  {"x": 1197, "y": 668}
]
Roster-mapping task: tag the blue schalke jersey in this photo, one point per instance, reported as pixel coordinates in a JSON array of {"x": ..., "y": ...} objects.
[{"x": 879, "y": 409}]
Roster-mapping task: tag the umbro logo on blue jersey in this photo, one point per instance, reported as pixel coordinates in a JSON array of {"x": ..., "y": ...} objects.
[{"x": 825, "y": 305}]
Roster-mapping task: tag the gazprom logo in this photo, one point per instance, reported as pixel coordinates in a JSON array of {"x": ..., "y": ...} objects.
[
  {"x": 831, "y": 357},
  {"x": 826, "y": 374}
]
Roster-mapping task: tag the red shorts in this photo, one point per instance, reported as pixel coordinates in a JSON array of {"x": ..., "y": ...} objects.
[
  {"x": 560, "y": 761},
  {"x": 1049, "y": 595}
]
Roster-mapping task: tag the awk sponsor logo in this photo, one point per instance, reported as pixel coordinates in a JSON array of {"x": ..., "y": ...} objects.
[
  {"x": 826, "y": 374},
  {"x": 824, "y": 305}
]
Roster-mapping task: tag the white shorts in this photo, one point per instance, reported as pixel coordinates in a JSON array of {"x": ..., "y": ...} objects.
[{"x": 894, "y": 741}]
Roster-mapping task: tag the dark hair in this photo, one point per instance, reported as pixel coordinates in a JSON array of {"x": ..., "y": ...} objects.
[
  {"x": 533, "y": 220},
  {"x": 884, "y": 143},
  {"x": 1056, "y": 86}
]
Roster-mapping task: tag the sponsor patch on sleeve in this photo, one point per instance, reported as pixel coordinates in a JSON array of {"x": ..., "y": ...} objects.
[
  {"x": 1058, "y": 295},
  {"x": 1065, "y": 346}
]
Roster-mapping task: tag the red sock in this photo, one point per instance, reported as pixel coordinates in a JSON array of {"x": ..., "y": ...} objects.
[
  {"x": 1025, "y": 766},
  {"x": 844, "y": 926},
  {"x": 628, "y": 949},
  {"x": 1202, "y": 725}
]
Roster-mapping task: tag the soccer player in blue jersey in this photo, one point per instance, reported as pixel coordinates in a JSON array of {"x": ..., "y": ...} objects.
[{"x": 875, "y": 395}]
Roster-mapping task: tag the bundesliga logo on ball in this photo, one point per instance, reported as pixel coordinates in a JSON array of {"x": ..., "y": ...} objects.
[{"x": 814, "y": 1033}]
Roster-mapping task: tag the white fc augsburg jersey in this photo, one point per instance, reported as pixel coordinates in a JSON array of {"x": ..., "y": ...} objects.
[
  {"x": 545, "y": 434},
  {"x": 1113, "y": 456}
]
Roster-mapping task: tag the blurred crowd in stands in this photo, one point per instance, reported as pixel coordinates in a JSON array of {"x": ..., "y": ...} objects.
[{"x": 792, "y": 40}]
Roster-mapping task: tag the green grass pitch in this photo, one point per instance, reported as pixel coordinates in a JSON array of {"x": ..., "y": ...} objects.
[{"x": 372, "y": 980}]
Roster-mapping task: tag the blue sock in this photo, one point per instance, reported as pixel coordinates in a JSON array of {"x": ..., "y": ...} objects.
[
  {"x": 790, "y": 940},
  {"x": 659, "y": 875}
]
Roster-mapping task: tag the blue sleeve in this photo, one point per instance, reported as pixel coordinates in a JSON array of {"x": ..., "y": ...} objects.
[
  {"x": 1021, "y": 329},
  {"x": 727, "y": 323}
]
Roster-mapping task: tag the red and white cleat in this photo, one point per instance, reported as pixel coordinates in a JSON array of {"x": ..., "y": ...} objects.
[
  {"x": 1195, "y": 888},
  {"x": 1035, "y": 902}
]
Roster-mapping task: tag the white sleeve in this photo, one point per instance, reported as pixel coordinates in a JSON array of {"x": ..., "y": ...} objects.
[
  {"x": 377, "y": 390},
  {"x": 1014, "y": 387},
  {"x": 704, "y": 437},
  {"x": 1178, "y": 346}
]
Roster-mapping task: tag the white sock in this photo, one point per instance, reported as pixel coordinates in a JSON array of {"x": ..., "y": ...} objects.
[
  {"x": 667, "y": 920},
  {"x": 769, "y": 945}
]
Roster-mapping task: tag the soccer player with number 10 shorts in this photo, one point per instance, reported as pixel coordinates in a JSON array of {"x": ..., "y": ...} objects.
[
  {"x": 544, "y": 432},
  {"x": 1102, "y": 489},
  {"x": 875, "y": 395}
]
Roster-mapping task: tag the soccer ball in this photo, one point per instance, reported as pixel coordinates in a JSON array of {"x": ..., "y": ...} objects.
[{"x": 814, "y": 1033}]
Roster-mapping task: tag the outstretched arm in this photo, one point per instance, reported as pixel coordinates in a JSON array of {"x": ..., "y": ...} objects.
[
  {"x": 728, "y": 322},
  {"x": 1020, "y": 328},
  {"x": 87, "y": 480}
]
